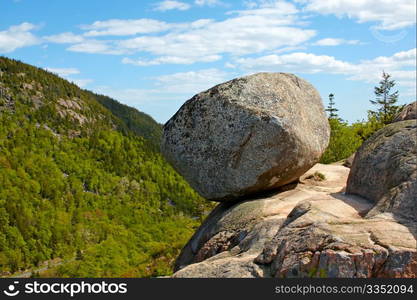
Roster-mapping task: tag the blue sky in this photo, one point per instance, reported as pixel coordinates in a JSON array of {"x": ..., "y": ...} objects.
[{"x": 154, "y": 55}]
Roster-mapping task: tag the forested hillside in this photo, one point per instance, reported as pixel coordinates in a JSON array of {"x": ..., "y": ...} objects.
[
  {"x": 75, "y": 184},
  {"x": 136, "y": 121}
]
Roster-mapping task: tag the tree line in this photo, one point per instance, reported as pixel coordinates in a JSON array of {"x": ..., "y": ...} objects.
[{"x": 346, "y": 138}]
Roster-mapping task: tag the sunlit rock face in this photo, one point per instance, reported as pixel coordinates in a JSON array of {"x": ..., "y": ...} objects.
[{"x": 247, "y": 135}]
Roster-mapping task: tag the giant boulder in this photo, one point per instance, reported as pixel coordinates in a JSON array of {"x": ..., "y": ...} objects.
[
  {"x": 385, "y": 170},
  {"x": 247, "y": 135}
]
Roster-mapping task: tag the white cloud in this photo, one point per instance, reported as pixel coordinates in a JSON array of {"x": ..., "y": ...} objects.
[
  {"x": 64, "y": 38},
  {"x": 67, "y": 72},
  {"x": 297, "y": 62},
  {"x": 171, "y": 60},
  {"x": 191, "y": 82},
  {"x": 234, "y": 36},
  {"x": 81, "y": 82},
  {"x": 389, "y": 14},
  {"x": 132, "y": 96},
  {"x": 170, "y": 5},
  {"x": 289, "y": 49},
  {"x": 250, "y": 4},
  {"x": 401, "y": 65},
  {"x": 266, "y": 28},
  {"x": 200, "y": 23},
  {"x": 118, "y": 27},
  {"x": 208, "y": 2},
  {"x": 180, "y": 86},
  {"x": 229, "y": 65},
  {"x": 334, "y": 42},
  {"x": 97, "y": 46},
  {"x": 17, "y": 36},
  {"x": 63, "y": 72},
  {"x": 272, "y": 8}
]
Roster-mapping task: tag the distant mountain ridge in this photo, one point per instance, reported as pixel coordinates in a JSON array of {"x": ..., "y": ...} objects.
[{"x": 135, "y": 120}]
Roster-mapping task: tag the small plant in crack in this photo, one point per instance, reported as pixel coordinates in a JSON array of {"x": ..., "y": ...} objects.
[{"x": 317, "y": 176}]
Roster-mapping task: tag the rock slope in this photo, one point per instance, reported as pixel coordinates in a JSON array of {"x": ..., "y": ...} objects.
[{"x": 314, "y": 230}]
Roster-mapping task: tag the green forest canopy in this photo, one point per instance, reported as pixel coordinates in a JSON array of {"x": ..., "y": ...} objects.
[{"x": 77, "y": 185}]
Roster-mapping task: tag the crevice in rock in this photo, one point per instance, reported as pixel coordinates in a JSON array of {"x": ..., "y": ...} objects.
[
  {"x": 221, "y": 242},
  {"x": 377, "y": 268},
  {"x": 375, "y": 240},
  {"x": 238, "y": 154}
]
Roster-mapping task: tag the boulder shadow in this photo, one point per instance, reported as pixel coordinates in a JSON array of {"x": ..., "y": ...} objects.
[
  {"x": 363, "y": 206},
  {"x": 262, "y": 194},
  {"x": 360, "y": 204}
]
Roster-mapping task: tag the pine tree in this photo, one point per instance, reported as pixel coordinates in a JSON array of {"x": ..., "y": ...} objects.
[
  {"x": 331, "y": 109},
  {"x": 385, "y": 100}
]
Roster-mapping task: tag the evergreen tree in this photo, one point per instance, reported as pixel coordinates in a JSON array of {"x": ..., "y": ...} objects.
[
  {"x": 331, "y": 109},
  {"x": 385, "y": 100}
]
